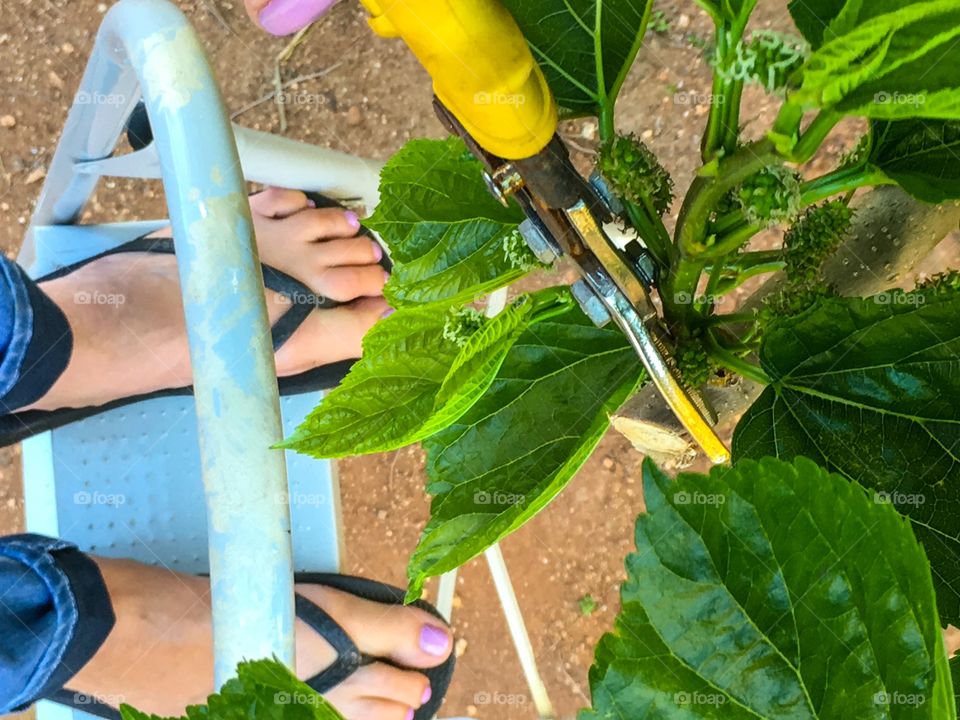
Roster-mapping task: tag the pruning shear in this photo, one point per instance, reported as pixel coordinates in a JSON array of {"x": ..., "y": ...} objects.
[{"x": 490, "y": 91}]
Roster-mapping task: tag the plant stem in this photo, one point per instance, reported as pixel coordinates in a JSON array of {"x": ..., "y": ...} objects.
[
  {"x": 842, "y": 181},
  {"x": 733, "y": 363},
  {"x": 680, "y": 288},
  {"x": 607, "y": 129},
  {"x": 731, "y": 318},
  {"x": 706, "y": 193},
  {"x": 732, "y": 116},
  {"x": 761, "y": 265},
  {"x": 723, "y": 124},
  {"x": 732, "y": 241},
  {"x": 732, "y": 228},
  {"x": 713, "y": 138},
  {"x": 812, "y": 138},
  {"x": 655, "y": 238},
  {"x": 703, "y": 197}
]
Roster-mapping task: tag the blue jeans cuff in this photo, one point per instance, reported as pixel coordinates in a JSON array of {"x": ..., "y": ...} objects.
[
  {"x": 40, "y": 342},
  {"x": 55, "y": 613}
]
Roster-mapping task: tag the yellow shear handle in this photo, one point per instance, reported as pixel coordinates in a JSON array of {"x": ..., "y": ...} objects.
[{"x": 481, "y": 66}]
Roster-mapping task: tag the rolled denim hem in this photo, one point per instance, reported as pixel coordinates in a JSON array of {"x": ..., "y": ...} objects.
[
  {"x": 41, "y": 341},
  {"x": 69, "y": 613}
]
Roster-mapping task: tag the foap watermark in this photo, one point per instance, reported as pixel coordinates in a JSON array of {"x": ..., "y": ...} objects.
[
  {"x": 483, "y": 497},
  {"x": 499, "y": 98},
  {"x": 95, "y": 497},
  {"x": 86, "y": 699},
  {"x": 699, "y": 698},
  {"x": 699, "y": 498},
  {"x": 899, "y": 499},
  {"x": 300, "y": 298},
  {"x": 685, "y": 298},
  {"x": 300, "y": 99},
  {"x": 297, "y": 698},
  {"x": 899, "y": 98},
  {"x": 98, "y": 98},
  {"x": 95, "y": 297},
  {"x": 897, "y": 297},
  {"x": 499, "y": 698},
  {"x": 891, "y": 699},
  {"x": 690, "y": 97},
  {"x": 301, "y": 499}
]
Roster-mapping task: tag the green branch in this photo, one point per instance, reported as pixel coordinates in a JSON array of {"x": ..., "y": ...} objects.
[
  {"x": 704, "y": 195},
  {"x": 731, "y": 362}
]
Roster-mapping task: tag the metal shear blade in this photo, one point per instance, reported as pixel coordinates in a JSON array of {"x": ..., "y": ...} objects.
[{"x": 565, "y": 215}]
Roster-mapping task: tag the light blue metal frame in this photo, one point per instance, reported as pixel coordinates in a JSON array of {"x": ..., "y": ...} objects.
[{"x": 147, "y": 47}]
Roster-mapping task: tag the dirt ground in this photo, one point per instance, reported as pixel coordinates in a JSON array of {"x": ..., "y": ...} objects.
[{"x": 371, "y": 99}]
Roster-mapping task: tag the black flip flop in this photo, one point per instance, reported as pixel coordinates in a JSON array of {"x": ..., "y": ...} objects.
[
  {"x": 17, "y": 426},
  {"x": 349, "y": 658}
]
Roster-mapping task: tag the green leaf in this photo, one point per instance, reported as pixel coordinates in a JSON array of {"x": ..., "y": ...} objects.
[
  {"x": 870, "y": 388},
  {"x": 891, "y": 66},
  {"x": 824, "y": 20},
  {"x": 515, "y": 449},
  {"x": 585, "y": 47},
  {"x": 449, "y": 239},
  {"x": 922, "y": 156},
  {"x": 262, "y": 690},
  {"x": 955, "y": 674},
  {"x": 728, "y": 11},
  {"x": 813, "y": 17},
  {"x": 421, "y": 369},
  {"x": 771, "y": 591}
]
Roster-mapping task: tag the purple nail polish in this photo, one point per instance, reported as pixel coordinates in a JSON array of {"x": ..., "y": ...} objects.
[
  {"x": 388, "y": 312},
  {"x": 410, "y": 714},
  {"x": 434, "y": 640},
  {"x": 427, "y": 694},
  {"x": 386, "y": 276},
  {"x": 284, "y": 17},
  {"x": 377, "y": 251},
  {"x": 353, "y": 220},
  {"x": 311, "y": 203}
]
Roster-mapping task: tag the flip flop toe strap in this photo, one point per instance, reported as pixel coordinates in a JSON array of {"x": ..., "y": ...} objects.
[{"x": 349, "y": 658}]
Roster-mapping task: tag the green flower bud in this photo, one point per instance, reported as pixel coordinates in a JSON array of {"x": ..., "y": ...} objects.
[
  {"x": 790, "y": 301},
  {"x": 693, "y": 362},
  {"x": 461, "y": 324},
  {"x": 771, "y": 197},
  {"x": 634, "y": 173},
  {"x": 517, "y": 253},
  {"x": 814, "y": 237},
  {"x": 769, "y": 59}
]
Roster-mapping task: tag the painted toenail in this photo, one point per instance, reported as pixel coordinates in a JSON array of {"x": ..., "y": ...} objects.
[
  {"x": 377, "y": 251},
  {"x": 388, "y": 312},
  {"x": 353, "y": 220},
  {"x": 410, "y": 714},
  {"x": 427, "y": 694},
  {"x": 434, "y": 640},
  {"x": 282, "y": 17},
  {"x": 386, "y": 276},
  {"x": 311, "y": 202}
]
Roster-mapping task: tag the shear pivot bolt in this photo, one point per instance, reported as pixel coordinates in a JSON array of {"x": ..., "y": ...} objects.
[
  {"x": 503, "y": 182},
  {"x": 538, "y": 242},
  {"x": 590, "y": 303}
]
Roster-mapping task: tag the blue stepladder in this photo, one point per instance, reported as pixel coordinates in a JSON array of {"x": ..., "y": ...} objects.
[{"x": 190, "y": 483}]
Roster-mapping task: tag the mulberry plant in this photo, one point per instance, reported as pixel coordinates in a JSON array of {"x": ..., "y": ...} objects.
[{"x": 814, "y": 574}]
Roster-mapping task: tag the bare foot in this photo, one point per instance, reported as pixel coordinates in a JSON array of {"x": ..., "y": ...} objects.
[
  {"x": 159, "y": 656},
  {"x": 135, "y": 341}
]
